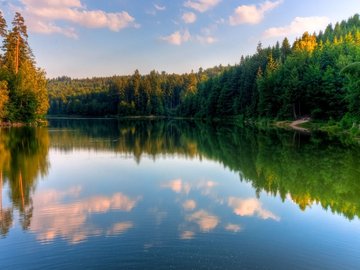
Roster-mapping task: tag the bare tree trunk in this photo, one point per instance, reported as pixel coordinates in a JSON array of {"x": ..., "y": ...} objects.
[
  {"x": 294, "y": 111},
  {"x": 17, "y": 53},
  {"x": 22, "y": 191},
  {"x": 1, "y": 186}
]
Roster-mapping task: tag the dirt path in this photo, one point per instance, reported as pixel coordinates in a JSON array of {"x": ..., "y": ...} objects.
[{"x": 295, "y": 125}]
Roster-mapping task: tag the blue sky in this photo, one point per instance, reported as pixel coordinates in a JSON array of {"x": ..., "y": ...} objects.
[{"x": 86, "y": 38}]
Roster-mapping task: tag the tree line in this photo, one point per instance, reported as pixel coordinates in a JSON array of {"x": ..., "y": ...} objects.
[
  {"x": 153, "y": 94},
  {"x": 315, "y": 76},
  {"x": 23, "y": 93},
  {"x": 310, "y": 77}
]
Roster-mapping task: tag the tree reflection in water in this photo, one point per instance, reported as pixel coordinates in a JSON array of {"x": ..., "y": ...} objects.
[{"x": 307, "y": 169}]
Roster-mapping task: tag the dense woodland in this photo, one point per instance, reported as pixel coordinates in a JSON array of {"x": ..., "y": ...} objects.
[
  {"x": 316, "y": 76},
  {"x": 311, "y": 77},
  {"x": 23, "y": 93},
  {"x": 153, "y": 94}
]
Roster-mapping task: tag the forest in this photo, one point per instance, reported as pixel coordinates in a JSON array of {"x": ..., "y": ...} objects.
[
  {"x": 23, "y": 92},
  {"x": 316, "y": 76}
]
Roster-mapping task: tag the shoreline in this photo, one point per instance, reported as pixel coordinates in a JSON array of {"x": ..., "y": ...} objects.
[{"x": 21, "y": 124}]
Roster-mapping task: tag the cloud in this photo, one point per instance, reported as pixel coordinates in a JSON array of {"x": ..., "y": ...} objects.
[
  {"x": 71, "y": 221},
  {"x": 120, "y": 228},
  {"x": 250, "y": 207},
  {"x": 49, "y": 28},
  {"x": 205, "y": 220},
  {"x": 177, "y": 185},
  {"x": 187, "y": 235},
  {"x": 189, "y": 205},
  {"x": 252, "y": 14},
  {"x": 53, "y": 3},
  {"x": 177, "y": 38},
  {"x": 159, "y": 8},
  {"x": 298, "y": 26},
  {"x": 41, "y": 16},
  {"x": 201, "y": 5},
  {"x": 206, "y": 39},
  {"x": 232, "y": 227},
  {"x": 189, "y": 17}
]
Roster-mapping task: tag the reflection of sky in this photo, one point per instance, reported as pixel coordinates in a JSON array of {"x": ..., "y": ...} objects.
[
  {"x": 53, "y": 218},
  {"x": 173, "y": 205}
]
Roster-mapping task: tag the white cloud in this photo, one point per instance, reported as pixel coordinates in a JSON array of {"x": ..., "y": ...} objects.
[
  {"x": 205, "y": 220},
  {"x": 189, "y": 205},
  {"x": 48, "y": 28},
  {"x": 53, "y": 218},
  {"x": 252, "y": 14},
  {"x": 298, "y": 26},
  {"x": 120, "y": 228},
  {"x": 250, "y": 207},
  {"x": 41, "y": 16},
  {"x": 176, "y": 185},
  {"x": 160, "y": 8},
  {"x": 206, "y": 39},
  {"x": 201, "y": 5},
  {"x": 232, "y": 227},
  {"x": 187, "y": 235},
  {"x": 189, "y": 17},
  {"x": 177, "y": 38}
]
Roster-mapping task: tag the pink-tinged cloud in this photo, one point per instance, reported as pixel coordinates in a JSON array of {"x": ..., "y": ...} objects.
[
  {"x": 70, "y": 221},
  {"x": 205, "y": 220},
  {"x": 252, "y": 14},
  {"x": 201, "y": 5},
  {"x": 177, "y": 38},
  {"x": 250, "y": 207},
  {"x": 187, "y": 235},
  {"x": 233, "y": 227},
  {"x": 178, "y": 186},
  {"x": 189, "y": 17},
  {"x": 42, "y": 15},
  {"x": 298, "y": 26},
  {"x": 189, "y": 205}
]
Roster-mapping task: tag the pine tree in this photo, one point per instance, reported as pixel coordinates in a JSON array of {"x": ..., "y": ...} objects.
[{"x": 28, "y": 99}]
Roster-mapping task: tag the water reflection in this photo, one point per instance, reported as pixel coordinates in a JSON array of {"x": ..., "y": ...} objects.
[
  {"x": 23, "y": 160},
  {"x": 250, "y": 207},
  {"x": 307, "y": 169},
  {"x": 71, "y": 221}
]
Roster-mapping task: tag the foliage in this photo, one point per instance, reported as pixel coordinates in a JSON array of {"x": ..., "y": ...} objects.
[
  {"x": 315, "y": 76},
  {"x": 23, "y": 93},
  {"x": 152, "y": 94},
  {"x": 287, "y": 82}
]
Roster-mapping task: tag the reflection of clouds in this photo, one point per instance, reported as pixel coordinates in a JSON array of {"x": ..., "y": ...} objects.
[
  {"x": 232, "y": 227},
  {"x": 159, "y": 215},
  {"x": 206, "y": 187},
  {"x": 250, "y": 207},
  {"x": 205, "y": 220},
  {"x": 187, "y": 235},
  {"x": 189, "y": 205},
  {"x": 120, "y": 228},
  {"x": 178, "y": 186},
  {"x": 51, "y": 218}
]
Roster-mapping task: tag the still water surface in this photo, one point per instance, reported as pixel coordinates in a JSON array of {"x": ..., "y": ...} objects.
[{"x": 91, "y": 194}]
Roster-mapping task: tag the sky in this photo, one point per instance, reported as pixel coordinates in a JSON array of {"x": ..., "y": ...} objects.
[{"x": 87, "y": 38}]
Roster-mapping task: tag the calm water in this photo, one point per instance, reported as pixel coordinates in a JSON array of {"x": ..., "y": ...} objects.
[{"x": 86, "y": 194}]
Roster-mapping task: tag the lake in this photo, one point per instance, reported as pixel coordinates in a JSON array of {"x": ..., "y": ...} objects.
[{"x": 172, "y": 194}]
